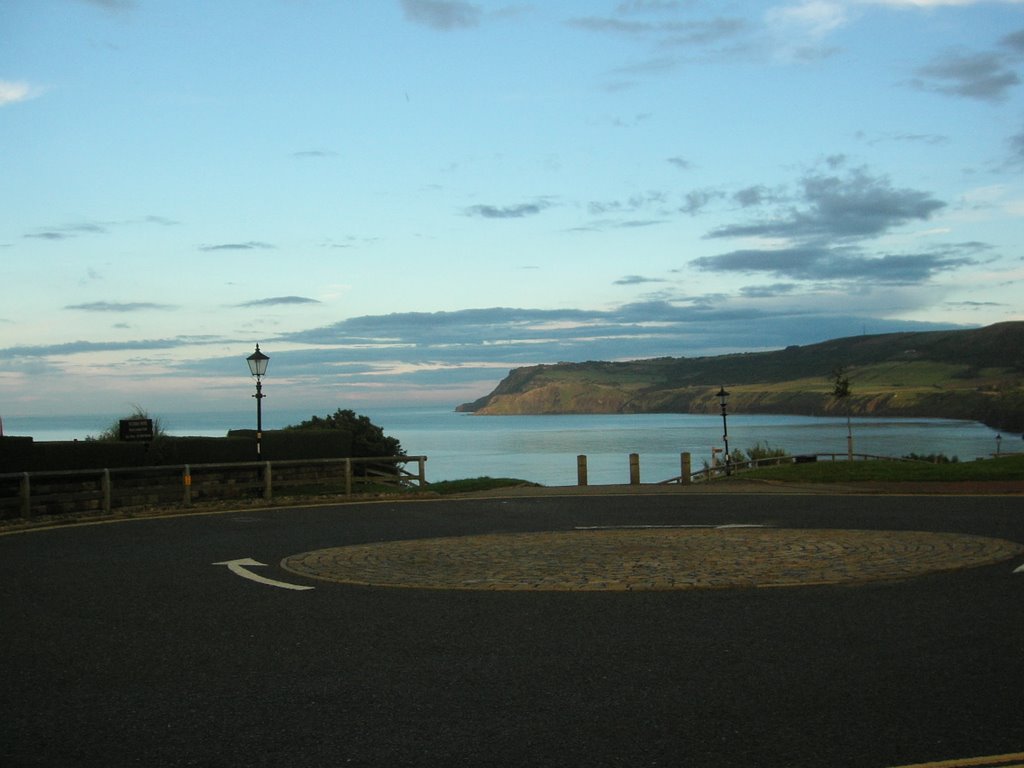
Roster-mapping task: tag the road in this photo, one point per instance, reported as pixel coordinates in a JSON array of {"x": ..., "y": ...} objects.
[{"x": 145, "y": 642}]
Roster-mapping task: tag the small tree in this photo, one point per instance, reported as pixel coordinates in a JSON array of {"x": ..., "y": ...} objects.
[
  {"x": 367, "y": 438},
  {"x": 113, "y": 433},
  {"x": 841, "y": 392}
]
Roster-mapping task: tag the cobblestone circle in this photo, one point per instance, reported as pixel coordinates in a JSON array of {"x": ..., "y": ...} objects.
[{"x": 650, "y": 559}]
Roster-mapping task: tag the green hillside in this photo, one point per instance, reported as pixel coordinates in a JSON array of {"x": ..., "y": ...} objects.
[{"x": 975, "y": 374}]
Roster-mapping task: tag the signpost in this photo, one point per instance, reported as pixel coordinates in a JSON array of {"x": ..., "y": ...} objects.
[{"x": 135, "y": 430}]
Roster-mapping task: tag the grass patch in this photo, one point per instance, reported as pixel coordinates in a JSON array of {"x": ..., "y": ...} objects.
[
  {"x": 449, "y": 487},
  {"x": 986, "y": 470}
]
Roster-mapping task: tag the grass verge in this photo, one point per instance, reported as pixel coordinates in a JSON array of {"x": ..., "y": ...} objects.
[{"x": 987, "y": 470}]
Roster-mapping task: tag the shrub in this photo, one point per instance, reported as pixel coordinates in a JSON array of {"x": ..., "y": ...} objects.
[
  {"x": 367, "y": 438},
  {"x": 113, "y": 433}
]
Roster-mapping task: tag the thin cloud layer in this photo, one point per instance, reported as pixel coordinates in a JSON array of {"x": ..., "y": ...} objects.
[{"x": 442, "y": 14}]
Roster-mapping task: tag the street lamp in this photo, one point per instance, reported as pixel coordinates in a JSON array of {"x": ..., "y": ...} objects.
[
  {"x": 258, "y": 368},
  {"x": 723, "y": 398}
]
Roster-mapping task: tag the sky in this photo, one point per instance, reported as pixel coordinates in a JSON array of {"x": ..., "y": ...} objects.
[{"x": 402, "y": 200}]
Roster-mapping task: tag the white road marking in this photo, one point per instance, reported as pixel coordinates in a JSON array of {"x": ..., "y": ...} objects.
[
  {"x": 238, "y": 567},
  {"x": 1019, "y": 570},
  {"x": 654, "y": 527}
]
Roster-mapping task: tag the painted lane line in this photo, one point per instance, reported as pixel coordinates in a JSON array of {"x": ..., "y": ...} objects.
[
  {"x": 239, "y": 568},
  {"x": 667, "y": 527}
]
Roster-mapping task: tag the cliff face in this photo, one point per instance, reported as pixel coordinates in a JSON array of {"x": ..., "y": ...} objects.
[{"x": 974, "y": 374}]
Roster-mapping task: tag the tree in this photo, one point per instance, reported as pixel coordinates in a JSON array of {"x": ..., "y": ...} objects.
[
  {"x": 841, "y": 392},
  {"x": 367, "y": 438},
  {"x": 113, "y": 433}
]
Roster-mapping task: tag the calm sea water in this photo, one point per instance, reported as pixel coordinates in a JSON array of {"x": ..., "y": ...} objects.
[{"x": 543, "y": 449}]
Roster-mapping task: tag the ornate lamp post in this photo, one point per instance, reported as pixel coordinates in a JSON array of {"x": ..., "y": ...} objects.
[
  {"x": 723, "y": 398},
  {"x": 258, "y": 368}
]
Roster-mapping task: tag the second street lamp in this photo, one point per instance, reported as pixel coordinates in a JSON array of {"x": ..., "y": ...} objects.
[
  {"x": 258, "y": 368},
  {"x": 723, "y": 398}
]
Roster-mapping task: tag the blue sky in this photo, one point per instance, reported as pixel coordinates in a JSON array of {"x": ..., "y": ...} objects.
[{"x": 400, "y": 200}]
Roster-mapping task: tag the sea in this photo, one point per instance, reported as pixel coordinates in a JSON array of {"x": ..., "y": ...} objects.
[{"x": 544, "y": 449}]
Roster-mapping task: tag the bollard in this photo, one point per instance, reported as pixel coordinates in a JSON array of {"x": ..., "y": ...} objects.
[
  {"x": 25, "y": 491},
  {"x": 105, "y": 489},
  {"x": 634, "y": 469},
  {"x": 186, "y": 481},
  {"x": 348, "y": 477},
  {"x": 581, "y": 470},
  {"x": 685, "y": 470},
  {"x": 268, "y": 482}
]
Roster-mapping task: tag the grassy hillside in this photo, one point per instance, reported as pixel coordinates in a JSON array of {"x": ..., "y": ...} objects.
[{"x": 975, "y": 374}]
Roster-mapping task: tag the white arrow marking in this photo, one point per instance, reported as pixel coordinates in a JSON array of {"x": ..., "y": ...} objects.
[
  {"x": 238, "y": 567},
  {"x": 1019, "y": 570}
]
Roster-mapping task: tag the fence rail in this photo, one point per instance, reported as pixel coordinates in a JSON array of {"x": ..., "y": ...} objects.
[
  {"x": 721, "y": 469},
  {"x": 28, "y": 494}
]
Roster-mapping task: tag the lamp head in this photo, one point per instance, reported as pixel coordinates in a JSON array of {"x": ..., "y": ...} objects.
[
  {"x": 723, "y": 396},
  {"x": 257, "y": 362}
]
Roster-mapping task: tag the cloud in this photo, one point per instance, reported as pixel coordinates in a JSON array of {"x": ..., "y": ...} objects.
[
  {"x": 112, "y": 5},
  {"x": 985, "y": 76},
  {"x": 751, "y": 196},
  {"x": 113, "y": 306},
  {"x": 502, "y": 337},
  {"x": 933, "y": 3},
  {"x": 315, "y": 153},
  {"x": 11, "y": 92},
  {"x": 680, "y": 162},
  {"x": 857, "y": 206},
  {"x": 813, "y": 18},
  {"x": 442, "y": 14},
  {"x": 698, "y": 199},
  {"x": 768, "y": 291},
  {"x": 637, "y": 280},
  {"x": 163, "y": 221},
  {"x": 79, "y": 347},
  {"x": 507, "y": 212},
  {"x": 1016, "y": 143},
  {"x": 69, "y": 231},
  {"x": 835, "y": 264},
  {"x": 247, "y": 246},
  {"x": 277, "y": 301}
]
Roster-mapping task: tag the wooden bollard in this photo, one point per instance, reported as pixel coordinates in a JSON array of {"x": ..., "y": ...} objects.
[
  {"x": 581, "y": 470},
  {"x": 685, "y": 469},
  {"x": 634, "y": 469}
]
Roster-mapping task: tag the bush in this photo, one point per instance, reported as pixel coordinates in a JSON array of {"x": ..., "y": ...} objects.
[
  {"x": 367, "y": 438},
  {"x": 932, "y": 458},
  {"x": 112, "y": 434},
  {"x": 764, "y": 451}
]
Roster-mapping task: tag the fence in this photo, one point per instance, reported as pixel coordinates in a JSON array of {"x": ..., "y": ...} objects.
[
  {"x": 28, "y": 494},
  {"x": 721, "y": 469}
]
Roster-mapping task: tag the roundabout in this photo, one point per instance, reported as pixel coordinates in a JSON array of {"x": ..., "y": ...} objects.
[{"x": 650, "y": 559}]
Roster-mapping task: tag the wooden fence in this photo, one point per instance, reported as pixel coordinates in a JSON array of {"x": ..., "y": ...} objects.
[{"x": 28, "y": 494}]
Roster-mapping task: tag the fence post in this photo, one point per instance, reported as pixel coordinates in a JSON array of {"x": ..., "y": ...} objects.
[
  {"x": 105, "y": 486},
  {"x": 685, "y": 470},
  {"x": 422, "y": 477},
  {"x": 186, "y": 481},
  {"x": 348, "y": 477},
  {"x": 581, "y": 469},
  {"x": 634, "y": 469},
  {"x": 268, "y": 482},
  {"x": 25, "y": 492}
]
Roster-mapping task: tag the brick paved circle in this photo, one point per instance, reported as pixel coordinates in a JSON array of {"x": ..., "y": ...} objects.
[{"x": 650, "y": 559}]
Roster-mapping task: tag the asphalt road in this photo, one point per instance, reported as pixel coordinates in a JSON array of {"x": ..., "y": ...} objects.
[{"x": 123, "y": 644}]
